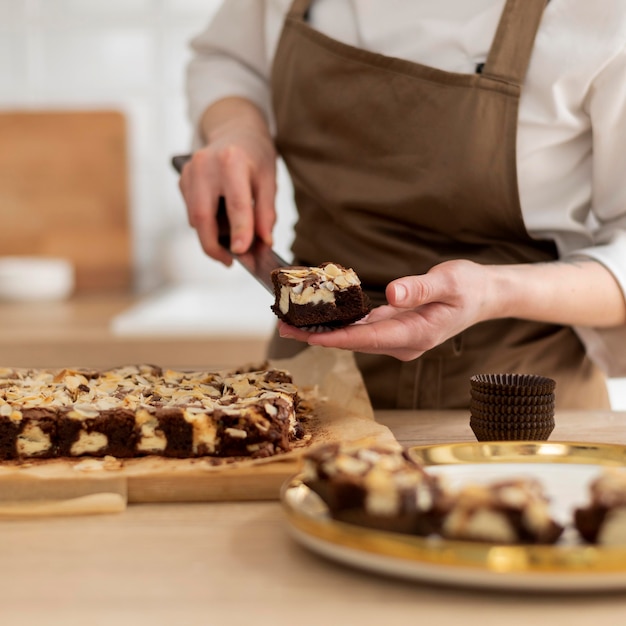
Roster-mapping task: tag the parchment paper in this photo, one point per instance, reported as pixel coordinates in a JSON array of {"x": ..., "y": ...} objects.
[{"x": 339, "y": 411}]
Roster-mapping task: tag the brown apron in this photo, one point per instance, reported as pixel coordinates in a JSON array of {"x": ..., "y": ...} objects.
[{"x": 396, "y": 167}]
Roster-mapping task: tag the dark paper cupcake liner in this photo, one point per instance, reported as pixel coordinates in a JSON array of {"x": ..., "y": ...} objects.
[
  {"x": 512, "y": 384},
  {"x": 512, "y": 422},
  {"x": 511, "y": 434},
  {"x": 503, "y": 411},
  {"x": 494, "y": 422},
  {"x": 512, "y": 400}
]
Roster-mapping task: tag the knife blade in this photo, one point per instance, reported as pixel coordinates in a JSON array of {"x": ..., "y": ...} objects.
[{"x": 260, "y": 259}]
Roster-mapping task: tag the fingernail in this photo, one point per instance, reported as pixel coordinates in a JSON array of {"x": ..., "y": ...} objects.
[
  {"x": 237, "y": 245},
  {"x": 400, "y": 293}
]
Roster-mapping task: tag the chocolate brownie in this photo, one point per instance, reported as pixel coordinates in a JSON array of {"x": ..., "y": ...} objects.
[
  {"x": 143, "y": 410},
  {"x": 603, "y": 519},
  {"x": 374, "y": 487},
  {"x": 328, "y": 295},
  {"x": 508, "y": 511}
]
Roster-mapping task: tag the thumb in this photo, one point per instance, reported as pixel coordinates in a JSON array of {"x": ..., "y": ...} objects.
[{"x": 411, "y": 291}]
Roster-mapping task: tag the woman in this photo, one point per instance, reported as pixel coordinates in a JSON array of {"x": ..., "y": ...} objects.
[{"x": 462, "y": 156}]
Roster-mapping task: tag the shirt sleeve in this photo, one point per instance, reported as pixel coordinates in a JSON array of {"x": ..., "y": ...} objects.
[
  {"x": 607, "y": 109},
  {"x": 230, "y": 58}
]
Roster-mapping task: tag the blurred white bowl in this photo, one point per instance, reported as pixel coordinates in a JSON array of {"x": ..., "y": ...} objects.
[{"x": 25, "y": 278}]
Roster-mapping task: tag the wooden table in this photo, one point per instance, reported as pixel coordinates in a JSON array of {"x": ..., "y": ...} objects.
[{"x": 234, "y": 563}]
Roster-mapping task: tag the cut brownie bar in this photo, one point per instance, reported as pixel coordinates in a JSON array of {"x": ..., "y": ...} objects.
[
  {"x": 328, "y": 295},
  {"x": 142, "y": 410},
  {"x": 603, "y": 519},
  {"x": 509, "y": 512},
  {"x": 374, "y": 487}
]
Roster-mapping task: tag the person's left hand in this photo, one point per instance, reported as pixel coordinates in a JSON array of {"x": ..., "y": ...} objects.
[{"x": 422, "y": 312}]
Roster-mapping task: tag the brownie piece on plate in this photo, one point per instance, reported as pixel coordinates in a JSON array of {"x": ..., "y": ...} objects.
[
  {"x": 374, "y": 487},
  {"x": 509, "y": 511},
  {"x": 603, "y": 519}
]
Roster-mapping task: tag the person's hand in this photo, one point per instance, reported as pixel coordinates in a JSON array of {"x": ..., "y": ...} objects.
[
  {"x": 239, "y": 163},
  {"x": 423, "y": 311}
]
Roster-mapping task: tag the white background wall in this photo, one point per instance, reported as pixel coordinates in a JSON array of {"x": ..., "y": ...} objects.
[{"x": 130, "y": 55}]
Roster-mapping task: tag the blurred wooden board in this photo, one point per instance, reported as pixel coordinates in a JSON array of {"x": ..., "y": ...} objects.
[{"x": 64, "y": 192}]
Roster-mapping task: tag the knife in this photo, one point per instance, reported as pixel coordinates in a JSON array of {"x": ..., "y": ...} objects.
[{"x": 259, "y": 259}]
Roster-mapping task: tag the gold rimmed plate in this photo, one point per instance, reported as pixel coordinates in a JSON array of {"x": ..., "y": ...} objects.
[{"x": 565, "y": 469}]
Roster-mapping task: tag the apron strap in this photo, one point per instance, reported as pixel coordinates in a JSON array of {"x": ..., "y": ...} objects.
[
  {"x": 514, "y": 40},
  {"x": 512, "y": 45},
  {"x": 299, "y": 8}
]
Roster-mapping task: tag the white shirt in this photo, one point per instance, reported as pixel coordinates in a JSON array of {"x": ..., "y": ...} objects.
[{"x": 571, "y": 141}]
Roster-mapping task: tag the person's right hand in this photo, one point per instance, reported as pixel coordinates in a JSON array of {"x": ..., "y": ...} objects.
[{"x": 239, "y": 163}]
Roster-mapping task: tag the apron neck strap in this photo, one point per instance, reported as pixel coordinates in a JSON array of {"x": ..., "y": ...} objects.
[
  {"x": 514, "y": 40},
  {"x": 299, "y": 8}
]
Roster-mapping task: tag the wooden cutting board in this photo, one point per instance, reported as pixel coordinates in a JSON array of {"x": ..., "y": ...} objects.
[
  {"x": 64, "y": 192},
  {"x": 341, "y": 412}
]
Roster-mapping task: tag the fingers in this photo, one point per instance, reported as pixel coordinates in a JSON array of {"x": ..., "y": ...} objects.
[
  {"x": 264, "y": 211},
  {"x": 200, "y": 191},
  {"x": 249, "y": 188},
  {"x": 394, "y": 336},
  {"x": 249, "y": 203},
  {"x": 235, "y": 178}
]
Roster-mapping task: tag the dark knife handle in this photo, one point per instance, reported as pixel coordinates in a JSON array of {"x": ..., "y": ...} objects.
[
  {"x": 179, "y": 161},
  {"x": 223, "y": 227}
]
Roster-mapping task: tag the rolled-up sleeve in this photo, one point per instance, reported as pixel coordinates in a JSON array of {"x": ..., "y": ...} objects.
[
  {"x": 607, "y": 108},
  {"x": 230, "y": 58}
]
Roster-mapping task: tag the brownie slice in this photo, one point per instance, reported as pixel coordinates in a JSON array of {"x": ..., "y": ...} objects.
[
  {"x": 374, "y": 487},
  {"x": 328, "y": 295},
  {"x": 603, "y": 519},
  {"x": 508, "y": 512}
]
